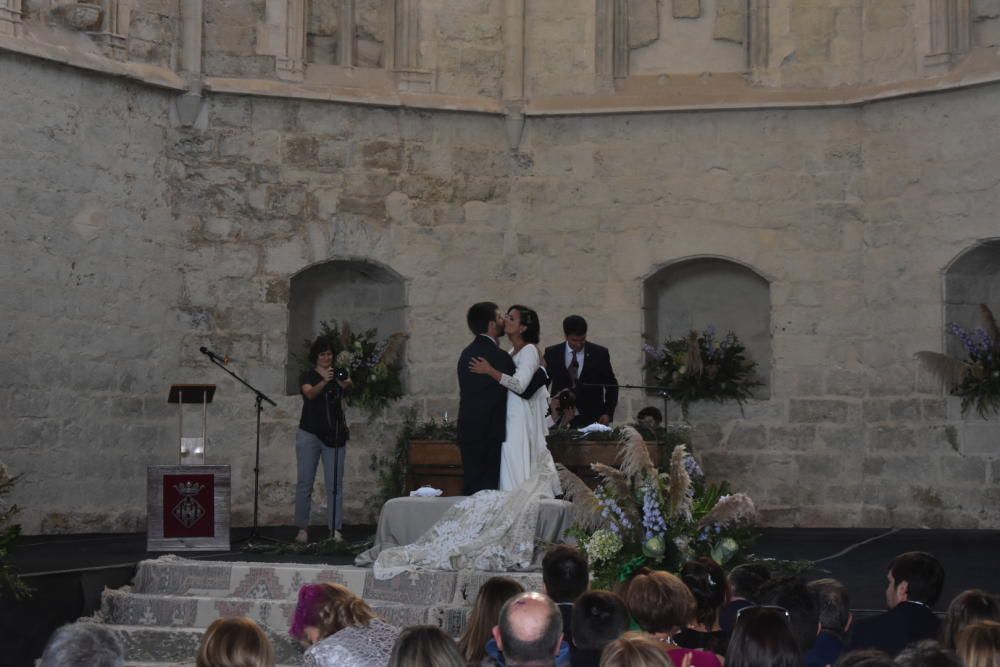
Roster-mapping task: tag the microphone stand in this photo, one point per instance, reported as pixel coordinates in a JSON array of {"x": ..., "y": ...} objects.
[
  {"x": 664, "y": 394},
  {"x": 259, "y": 398}
]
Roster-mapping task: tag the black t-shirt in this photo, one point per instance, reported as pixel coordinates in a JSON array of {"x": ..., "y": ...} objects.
[{"x": 322, "y": 416}]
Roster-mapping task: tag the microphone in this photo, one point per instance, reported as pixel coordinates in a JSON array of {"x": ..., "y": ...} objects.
[{"x": 215, "y": 357}]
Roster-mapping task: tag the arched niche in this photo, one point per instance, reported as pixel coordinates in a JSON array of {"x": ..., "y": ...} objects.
[
  {"x": 971, "y": 279},
  {"x": 361, "y": 293},
  {"x": 694, "y": 293}
]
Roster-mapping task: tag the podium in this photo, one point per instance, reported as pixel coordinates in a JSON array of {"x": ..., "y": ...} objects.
[
  {"x": 192, "y": 450},
  {"x": 187, "y": 508},
  {"x": 187, "y": 505}
]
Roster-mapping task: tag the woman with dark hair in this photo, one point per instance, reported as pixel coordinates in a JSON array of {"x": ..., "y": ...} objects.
[
  {"x": 322, "y": 433},
  {"x": 707, "y": 582},
  {"x": 967, "y": 607},
  {"x": 485, "y": 615},
  {"x": 524, "y": 449},
  {"x": 339, "y": 629},
  {"x": 763, "y": 637}
]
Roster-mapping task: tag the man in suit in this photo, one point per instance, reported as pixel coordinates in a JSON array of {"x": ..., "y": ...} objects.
[
  {"x": 576, "y": 364},
  {"x": 482, "y": 407},
  {"x": 915, "y": 580}
]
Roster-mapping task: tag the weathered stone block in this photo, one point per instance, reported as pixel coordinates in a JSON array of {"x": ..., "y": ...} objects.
[
  {"x": 817, "y": 410},
  {"x": 963, "y": 470},
  {"x": 797, "y": 437},
  {"x": 684, "y": 9},
  {"x": 979, "y": 438},
  {"x": 747, "y": 436}
]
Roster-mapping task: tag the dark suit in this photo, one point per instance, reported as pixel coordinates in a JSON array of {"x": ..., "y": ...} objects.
[
  {"x": 591, "y": 402},
  {"x": 892, "y": 631},
  {"x": 482, "y": 415}
]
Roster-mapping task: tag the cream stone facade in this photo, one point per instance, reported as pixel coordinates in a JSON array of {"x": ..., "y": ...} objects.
[{"x": 176, "y": 173}]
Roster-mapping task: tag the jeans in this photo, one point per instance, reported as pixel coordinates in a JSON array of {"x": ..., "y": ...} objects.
[{"x": 308, "y": 450}]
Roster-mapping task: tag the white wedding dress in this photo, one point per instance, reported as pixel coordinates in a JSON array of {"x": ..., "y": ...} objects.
[
  {"x": 525, "y": 447},
  {"x": 492, "y": 530}
]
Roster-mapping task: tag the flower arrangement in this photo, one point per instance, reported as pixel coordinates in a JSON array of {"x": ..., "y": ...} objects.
[
  {"x": 373, "y": 364},
  {"x": 639, "y": 516},
  {"x": 699, "y": 367},
  {"x": 8, "y": 534},
  {"x": 975, "y": 379}
]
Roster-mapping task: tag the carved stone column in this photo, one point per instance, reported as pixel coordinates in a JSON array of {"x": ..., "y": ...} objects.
[
  {"x": 513, "y": 72},
  {"x": 950, "y": 26},
  {"x": 10, "y": 18},
  {"x": 346, "y": 39},
  {"x": 291, "y": 56},
  {"x": 113, "y": 35},
  {"x": 405, "y": 48},
  {"x": 758, "y": 36}
]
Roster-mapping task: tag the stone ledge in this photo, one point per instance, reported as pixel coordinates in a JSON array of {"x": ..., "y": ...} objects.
[{"x": 154, "y": 75}]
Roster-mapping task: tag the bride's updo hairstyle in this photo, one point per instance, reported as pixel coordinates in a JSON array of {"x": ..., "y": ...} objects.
[
  {"x": 532, "y": 327},
  {"x": 329, "y": 608}
]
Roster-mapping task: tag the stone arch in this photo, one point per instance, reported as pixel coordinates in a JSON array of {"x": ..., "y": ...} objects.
[
  {"x": 970, "y": 279},
  {"x": 694, "y": 292},
  {"x": 365, "y": 294}
]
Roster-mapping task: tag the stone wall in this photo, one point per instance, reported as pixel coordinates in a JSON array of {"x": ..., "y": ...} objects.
[{"x": 129, "y": 244}]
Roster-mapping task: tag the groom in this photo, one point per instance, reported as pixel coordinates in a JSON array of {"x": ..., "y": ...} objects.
[{"x": 482, "y": 406}]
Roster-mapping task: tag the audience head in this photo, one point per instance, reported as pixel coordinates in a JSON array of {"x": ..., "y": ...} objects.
[
  {"x": 978, "y": 644},
  {"x": 833, "y": 604},
  {"x": 635, "y": 649},
  {"x": 747, "y": 579},
  {"x": 235, "y": 642},
  {"x": 599, "y": 617},
  {"x": 481, "y": 315},
  {"x": 82, "y": 645},
  {"x": 530, "y": 630},
  {"x": 927, "y": 653},
  {"x": 565, "y": 573},
  {"x": 763, "y": 637},
  {"x": 659, "y": 602},
  {"x": 484, "y": 615},
  {"x": 967, "y": 607},
  {"x": 324, "y": 609},
  {"x": 864, "y": 658},
  {"x": 914, "y": 576},
  {"x": 425, "y": 646},
  {"x": 707, "y": 582},
  {"x": 790, "y": 594},
  {"x": 650, "y": 416}
]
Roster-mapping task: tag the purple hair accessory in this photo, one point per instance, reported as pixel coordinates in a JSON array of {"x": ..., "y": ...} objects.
[{"x": 311, "y": 597}]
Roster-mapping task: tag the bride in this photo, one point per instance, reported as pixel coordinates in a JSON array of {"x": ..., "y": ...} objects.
[
  {"x": 495, "y": 530},
  {"x": 525, "y": 448}
]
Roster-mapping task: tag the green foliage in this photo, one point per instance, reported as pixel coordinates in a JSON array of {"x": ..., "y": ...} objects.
[
  {"x": 662, "y": 518},
  {"x": 373, "y": 364},
  {"x": 699, "y": 367},
  {"x": 9, "y": 582}
]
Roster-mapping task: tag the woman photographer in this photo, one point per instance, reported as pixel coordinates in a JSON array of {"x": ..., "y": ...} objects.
[{"x": 322, "y": 432}]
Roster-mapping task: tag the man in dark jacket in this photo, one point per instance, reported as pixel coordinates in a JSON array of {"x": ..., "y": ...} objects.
[
  {"x": 915, "y": 580},
  {"x": 584, "y": 369}
]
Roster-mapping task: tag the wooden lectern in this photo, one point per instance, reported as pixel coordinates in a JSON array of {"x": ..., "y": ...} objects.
[{"x": 192, "y": 450}]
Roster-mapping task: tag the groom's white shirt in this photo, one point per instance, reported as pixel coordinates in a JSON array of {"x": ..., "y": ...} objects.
[{"x": 569, "y": 358}]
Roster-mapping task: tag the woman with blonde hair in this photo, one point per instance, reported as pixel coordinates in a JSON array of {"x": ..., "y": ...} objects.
[
  {"x": 978, "y": 644},
  {"x": 235, "y": 642},
  {"x": 635, "y": 649},
  {"x": 340, "y": 629},
  {"x": 425, "y": 646},
  {"x": 484, "y": 615}
]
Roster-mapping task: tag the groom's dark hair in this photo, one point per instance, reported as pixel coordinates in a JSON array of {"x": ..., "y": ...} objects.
[
  {"x": 574, "y": 325},
  {"x": 480, "y": 315}
]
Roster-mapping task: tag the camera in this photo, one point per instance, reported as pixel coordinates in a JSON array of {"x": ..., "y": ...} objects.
[
  {"x": 341, "y": 374},
  {"x": 567, "y": 399}
]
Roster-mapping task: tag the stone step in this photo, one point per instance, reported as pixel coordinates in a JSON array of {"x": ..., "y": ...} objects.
[
  {"x": 179, "y": 645},
  {"x": 171, "y": 575},
  {"x": 125, "y": 607}
]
